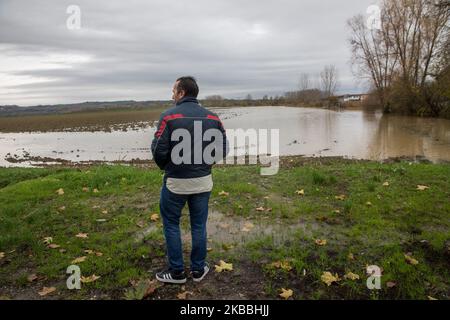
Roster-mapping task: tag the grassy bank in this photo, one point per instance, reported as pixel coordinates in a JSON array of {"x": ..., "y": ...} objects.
[{"x": 284, "y": 231}]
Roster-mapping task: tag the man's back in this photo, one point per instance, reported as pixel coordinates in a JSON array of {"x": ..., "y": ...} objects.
[{"x": 182, "y": 138}]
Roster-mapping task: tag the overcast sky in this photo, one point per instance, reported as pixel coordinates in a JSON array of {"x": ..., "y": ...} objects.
[{"x": 134, "y": 50}]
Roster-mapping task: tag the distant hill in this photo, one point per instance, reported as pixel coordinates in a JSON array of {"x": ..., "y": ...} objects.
[{"x": 13, "y": 110}]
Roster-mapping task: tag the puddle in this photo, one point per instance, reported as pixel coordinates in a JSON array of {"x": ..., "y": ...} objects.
[{"x": 231, "y": 231}]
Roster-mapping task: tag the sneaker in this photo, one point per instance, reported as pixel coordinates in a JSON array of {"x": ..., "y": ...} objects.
[
  {"x": 198, "y": 276},
  {"x": 170, "y": 276}
]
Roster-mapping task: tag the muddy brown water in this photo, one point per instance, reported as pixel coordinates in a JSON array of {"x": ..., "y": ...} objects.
[{"x": 303, "y": 131}]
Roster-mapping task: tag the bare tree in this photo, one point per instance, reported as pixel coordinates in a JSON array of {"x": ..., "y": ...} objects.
[
  {"x": 305, "y": 82},
  {"x": 411, "y": 47},
  {"x": 329, "y": 80}
]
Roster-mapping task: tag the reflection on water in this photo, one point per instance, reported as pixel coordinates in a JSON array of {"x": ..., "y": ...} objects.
[{"x": 303, "y": 131}]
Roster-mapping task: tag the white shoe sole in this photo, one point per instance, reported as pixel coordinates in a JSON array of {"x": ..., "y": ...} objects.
[
  {"x": 171, "y": 280},
  {"x": 204, "y": 275}
]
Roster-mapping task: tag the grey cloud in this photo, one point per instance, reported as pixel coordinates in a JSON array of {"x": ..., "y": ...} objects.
[{"x": 136, "y": 49}]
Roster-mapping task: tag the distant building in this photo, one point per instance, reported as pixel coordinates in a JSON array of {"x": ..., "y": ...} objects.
[{"x": 353, "y": 97}]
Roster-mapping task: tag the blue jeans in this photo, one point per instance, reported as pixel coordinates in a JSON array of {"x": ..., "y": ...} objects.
[{"x": 170, "y": 206}]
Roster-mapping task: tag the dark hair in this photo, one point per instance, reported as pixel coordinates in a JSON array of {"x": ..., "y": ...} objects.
[{"x": 189, "y": 85}]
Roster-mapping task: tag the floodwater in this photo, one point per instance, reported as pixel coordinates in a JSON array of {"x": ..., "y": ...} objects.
[{"x": 302, "y": 131}]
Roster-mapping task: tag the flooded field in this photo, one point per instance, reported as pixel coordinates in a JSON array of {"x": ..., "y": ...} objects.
[{"x": 303, "y": 131}]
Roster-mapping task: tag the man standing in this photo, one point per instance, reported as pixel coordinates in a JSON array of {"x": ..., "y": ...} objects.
[{"x": 183, "y": 136}]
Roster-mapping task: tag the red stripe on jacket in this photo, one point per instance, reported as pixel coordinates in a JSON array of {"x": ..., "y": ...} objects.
[{"x": 164, "y": 123}]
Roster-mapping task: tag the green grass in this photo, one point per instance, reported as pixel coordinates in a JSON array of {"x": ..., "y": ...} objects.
[{"x": 399, "y": 220}]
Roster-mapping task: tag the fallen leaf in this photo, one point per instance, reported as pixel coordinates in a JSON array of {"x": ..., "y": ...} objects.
[
  {"x": 329, "y": 278},
  {"x": 82, "y": 235},
  {"x": 62, "y": 208},
  {"x": 422, "y": 188},
  {"x": 223, "y": 193},
  {"x": 340, "y": 197},
  {"x": 154, "y": 217},
  {"x": 89, "y": 251},
  {"x": 45, "y": 291},
  {"x": 99, "y": 254},
  {"x": 79, "y": 260},
  {"x": 47, "y": 240},
  {"x": 227, "y": 246},
  {"x": 336, "y": 211},
  {"x": 209, "y": 249},
  {"x": 410, "y": 259},
  {"x": 2, "y": 255},
  {"x": 386, "y": 184},
  {"x": 89, "y": 279},
  {"x": 286, "y": 294},
  {"x": 223, "y": 266},
  {"x": 105, "y": 211},
  {"x": 183, "y": 295},
  {"x": 351, "y": 276},
  {"x": 431, "y": 298},
  {"x": 285, "y": 265},
  {"x": 62, "y": 250},
  {"x": 260, "y": 209},
  {"x": 390, "y": 284},
  {"x": 85, "y": 189},
  {"x": 101, "y": 220},
  {"x": 247, "y": 227},
  {"x": 369, "y": 203},
  {"x": 140, "y": 224},
  {"x": 321, "y": 242},
  {"x": 53, "y": 246},
  {"x": 95, "y": 190},
  {"x": 32, "y": 277},
  {"x": 300, "y": 192},
  {"x": 60, "y": 191}
]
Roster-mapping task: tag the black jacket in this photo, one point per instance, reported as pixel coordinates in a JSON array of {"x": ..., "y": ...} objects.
[{"x": 183, "y": 116}]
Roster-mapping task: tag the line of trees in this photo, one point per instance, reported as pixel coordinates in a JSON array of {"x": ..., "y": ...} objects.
[{"x": 406, "y": 57}]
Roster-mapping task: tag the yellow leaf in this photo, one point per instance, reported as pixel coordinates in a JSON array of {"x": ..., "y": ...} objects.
[
  {"x": 95, "y": 190},
  {"x": 321, "y": 242},
  {"x": 154, "y": 217},
  {"x": 285, "y": 265},
  {"x": 386, "y": 184},
  {"x": 369, "y": 203},
  {"x": 336, "y": 211},
  {"x": 183, "y": 295},
  {"x": 328, "y": 278},
  {"x": 223, "y": 193},
  {"x": 82, "y": 235},
  {"x": 300, "y": 192},
  {"x": 223, "y": 266},
  {"x": 340, "y": 197},
  {"x": 411, "y": 260},
  {"x": 60, "y": 191},
  {"x": 247, "y": 227},
  {"x": 286, "y": 294},
  {"x": 45, "y": 291},
  {"x": 79, "y": 260},
  {"x": 422, "y": 188},
  {"x": 47, "y": 240},
  {"x": 351, "y": 276},
  {"x": 89, "y": 279},
  {"x": 105, "y": 211}
]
